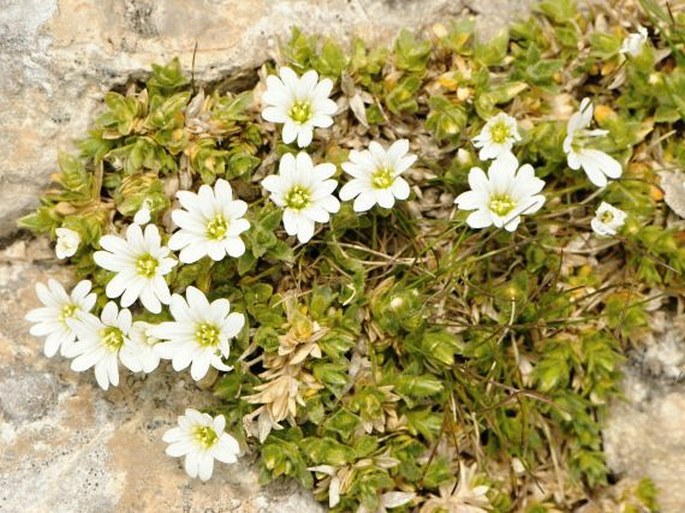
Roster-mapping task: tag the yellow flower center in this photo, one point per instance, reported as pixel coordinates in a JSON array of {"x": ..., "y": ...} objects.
[
  {"x": 301, "y": 111},
  {"x": 606, "y": 217},
  {"x": 207, "y": 335},
  {"x": 298, "y": 198},
  {"x": 146, "y": 266},
  {"x": 217, "y": 227},
  {"x": 112, "y": 338},
  {"x": 382, "y": 178},
  {"x": 499, "y": 132},
  {"x": 67, "y": 312},
  {"x": 501, "y": 204},
  {"x": 206, "y": 436}
]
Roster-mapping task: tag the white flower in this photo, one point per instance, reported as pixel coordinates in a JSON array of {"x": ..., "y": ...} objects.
[
  {"x": 201, "y": 439},
  {"x": 503, "y": 196},
  {"x": 140, "y": 262},
  {"x": 596, "y": 164},
  {"x": 634, "y": 42},
  {"x": 300, "y": 103},
  {"x": 143, "y": 345},
  {"x": 608, "y": 220},
  {"x": 51, "y": 319},
  {"x": 211, "y": 222},
  {"x": 199, "y": 334},
  {"x": 142, "y": 217},
  {"x": 100, "y": 343},
  {"x": 376, "y": 175},
  {"x": 68, "y": 242},
  {"x": 305, "y": 192},
  {"x": 497, "y": 137}
]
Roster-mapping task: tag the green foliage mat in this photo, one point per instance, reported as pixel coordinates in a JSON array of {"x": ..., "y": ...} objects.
[{"x": 400, "y": 346}]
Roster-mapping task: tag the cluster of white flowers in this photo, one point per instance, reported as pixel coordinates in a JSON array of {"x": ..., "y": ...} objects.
[
  {"x": 211, "y": 222},
  {"x": 508, "y": 191},
  {"x": 305, "y": 191},
  {"x": 199, "y": 337},
  {"x": 500, "y": 197}
]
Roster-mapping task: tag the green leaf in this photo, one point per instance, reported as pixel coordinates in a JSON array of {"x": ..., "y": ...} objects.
[
  {"x": 410, "y": 54},
  {"x": 604, "y": 44},
  {"x": 424, "y": 422},
  {"x": 121, "y": 115},
  {"x": 326, "y": 450},
  {"x": 285, "y": 458},
  {"x": 166, "y": 80},
  {"x": 299, "y": 50},
  {"x": 331, "y": 374},
  {"x": 446, "y": 119},
  {"x": 241, "y": 165},
  {"x": 343, "y": 422},
  {"x": 561, "y": 11},
  {"x": 246, "y": 263},
  {"x": 460, "y": 36},
  {"x": 439, "y": 346},
  {"x": 418, "y": 386},
  {"x": 331, "y": 61},
  {"x": 402, "y": 98},
  {"x": 169, "y": 114},
  {"x": 43, "y": 220},
  {"x": 494, "y": 51},
  {"x": 232, "y": 108}
]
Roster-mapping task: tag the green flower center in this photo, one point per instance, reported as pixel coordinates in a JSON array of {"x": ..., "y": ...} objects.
[
  {"x": 146, "y": 266},
  {"x": 606, "y": 217},
  {"x": 112, "y": 338},
  {"x": 207, "y": 335},
  {"x": 217, "y": 227},
  {"x": 67, "y": 312},
  {"x": 301, "y": 111},
  {"x": 501, "y": 204},
  {"x": 382, "y": 178},
  {"x": 298, "y": 198},
  {"x": 206, "y": 436},
  {"x": 499, "y": 132}
]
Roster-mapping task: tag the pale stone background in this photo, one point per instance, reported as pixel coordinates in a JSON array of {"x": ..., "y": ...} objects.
[{"x": 65, "y": 445}]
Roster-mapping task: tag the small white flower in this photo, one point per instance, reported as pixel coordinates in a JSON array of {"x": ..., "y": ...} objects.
[
  {"x": 199, "y": 334},
  {"x": 100, "y": 343},
  {"x": 142, "y": 343},
  {"x": 597, "y": 165},
  {"x": 140, "y": 262},
  {"x": 633, "y": 42},
  {"x": 51, "y": 319},
  {"x": 503, "y": 196},
  {"x": 497, "y": 137},
  {"x": 376, "y": 175},
  {"x": 201, "y": 439},
  {"x": 142, "y": 217},
  {"x": 211, "y": 222},
  {"x": 301, "y": 103},
  {"x": 68, "y": 242},
  {"x": 305, "y": 192},
  {"x": 608, "y": 220}
]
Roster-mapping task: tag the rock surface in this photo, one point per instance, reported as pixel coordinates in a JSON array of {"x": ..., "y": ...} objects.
[
  {"x": 645, "y": 434},
  {"x": 66, "y": 446}
]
